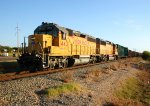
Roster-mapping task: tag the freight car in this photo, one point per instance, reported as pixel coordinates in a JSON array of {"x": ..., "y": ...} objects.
[
  {"x": 122, "y": 51},
  {"x": 132, "y": 53},
  {"x": 52, "y": 46}
]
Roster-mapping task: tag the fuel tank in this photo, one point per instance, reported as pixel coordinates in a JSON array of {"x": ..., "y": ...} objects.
[{"x": 83, "y": 60}]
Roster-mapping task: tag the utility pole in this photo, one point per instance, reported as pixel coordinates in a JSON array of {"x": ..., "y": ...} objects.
[
  {"x": 17, "y": 28},
  {"x": 24, "y": 44}
]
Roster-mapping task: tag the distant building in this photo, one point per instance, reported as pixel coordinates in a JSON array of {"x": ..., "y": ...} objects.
[{"x": 4, "y": 53}]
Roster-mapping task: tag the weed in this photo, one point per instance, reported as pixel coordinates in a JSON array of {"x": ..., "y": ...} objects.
[
  {"x": 130, "y": 90},
  {"x": 69, "y": 87},
  {"x": 114, "y": 67},
  {"x": 93, "y": 73},
  {"x": 144, "y": 66},
  {"x": 133, "y": 89},
  {"x": 67, "y": 76},
  {"x": 96, "y": 73}
]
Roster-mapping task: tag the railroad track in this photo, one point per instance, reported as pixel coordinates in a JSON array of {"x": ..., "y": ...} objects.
[{"x": 24, "y": 74}]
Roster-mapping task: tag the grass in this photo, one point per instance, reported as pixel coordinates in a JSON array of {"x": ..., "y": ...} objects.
[
  {"x": 135, "y": 90},
  {"x": 67, "y": 76},
  {"x": 94, "y": 73},
  {"x": 66, "y": 88},
  {"x": 9, "y": 54},
  {"x": 144, "y": 66},
  {"x": 91, "y": 75},
  {"x": 131, "y": 90}
]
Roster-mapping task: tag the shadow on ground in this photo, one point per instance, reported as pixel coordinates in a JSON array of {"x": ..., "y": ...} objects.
[{"x": 8, "y": 67}]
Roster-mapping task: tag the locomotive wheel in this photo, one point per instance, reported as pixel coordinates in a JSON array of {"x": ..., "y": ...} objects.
[
  {"x": 115, "y": 58},
  {"x": 65, "y": 63},
  {"x": 105, "y": 58},
  {"x": 51, "y": 64},
  {"x": 94, "y": 60}
]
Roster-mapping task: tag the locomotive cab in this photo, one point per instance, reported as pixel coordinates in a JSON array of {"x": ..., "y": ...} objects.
[
  {"x": 39, "y": 43},
  {"x": 46, "y": 41}
]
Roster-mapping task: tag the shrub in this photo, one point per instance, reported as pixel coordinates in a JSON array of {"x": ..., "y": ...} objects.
[{"x": 146, "y": 55}]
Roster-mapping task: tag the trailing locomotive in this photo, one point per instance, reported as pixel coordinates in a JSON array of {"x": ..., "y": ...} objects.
[{"x": 52, "y": 46}]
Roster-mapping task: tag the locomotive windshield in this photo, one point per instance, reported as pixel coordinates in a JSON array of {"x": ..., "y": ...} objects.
[
  {"x": 46, "y": 28},
  {"x": 41, "y": 30}
]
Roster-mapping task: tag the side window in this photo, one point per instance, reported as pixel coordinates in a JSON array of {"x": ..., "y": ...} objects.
[
  {"x": 63, "y": 35},
  {"x": 55, "y": 33}
]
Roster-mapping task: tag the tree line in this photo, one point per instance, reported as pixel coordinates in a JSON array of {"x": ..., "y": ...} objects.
[{"x": 8, "y": 48}]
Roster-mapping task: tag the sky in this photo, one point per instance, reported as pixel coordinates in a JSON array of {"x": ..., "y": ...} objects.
[{"x": 124, "y": 22}]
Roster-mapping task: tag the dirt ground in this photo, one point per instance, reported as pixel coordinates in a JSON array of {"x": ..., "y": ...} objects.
[{"x": 99, "y": 83}]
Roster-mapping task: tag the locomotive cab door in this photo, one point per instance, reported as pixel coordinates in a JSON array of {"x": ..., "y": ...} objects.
[{"x": 55, "y": 39}]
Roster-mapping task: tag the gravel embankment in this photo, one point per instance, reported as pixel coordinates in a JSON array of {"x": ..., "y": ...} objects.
[{"x": 99, "y": 81}]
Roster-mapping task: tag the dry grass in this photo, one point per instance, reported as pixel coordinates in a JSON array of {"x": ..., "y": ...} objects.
[
  {"x": 98, "y": 101},
  {"x": 135, "y": 91},
  {"x": 106, "y": 69},
  {"x": 135, "y": 59},
  {"x": 144, "y": 66},
  {"x": 127, "y": 63},
  {"x": 144, "y": 77},
  {"x": 3, "y": 102},
  {"x": 67, "y": 76},
  {"x": 122, "y": 102},
  {"x": 114, "y": 67},
  {"x": 92, "y": 73}
]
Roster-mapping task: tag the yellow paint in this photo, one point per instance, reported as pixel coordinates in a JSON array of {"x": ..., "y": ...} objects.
[
  {"x": 38, "y": 42},
  {"x": 73, "y": 45},
  {"x": 109, "y": 48},
  {"x": 103, "y": 49}
]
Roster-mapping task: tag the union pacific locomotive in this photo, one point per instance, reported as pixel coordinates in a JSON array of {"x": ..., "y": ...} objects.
[{"x": 52, "y": 46}]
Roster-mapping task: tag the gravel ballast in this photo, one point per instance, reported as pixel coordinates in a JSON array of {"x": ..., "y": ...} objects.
[{"x": 99, "y": 87}]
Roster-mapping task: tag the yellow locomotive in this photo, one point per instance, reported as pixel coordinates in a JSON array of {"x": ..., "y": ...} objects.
[{"x": 53, "y": 46}]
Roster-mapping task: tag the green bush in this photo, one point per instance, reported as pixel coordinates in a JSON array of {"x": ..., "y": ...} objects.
[{"x": 146, "y": 55}]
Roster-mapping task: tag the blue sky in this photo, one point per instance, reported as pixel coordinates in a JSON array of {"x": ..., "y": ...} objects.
[{"x": 125, "y": 22}]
